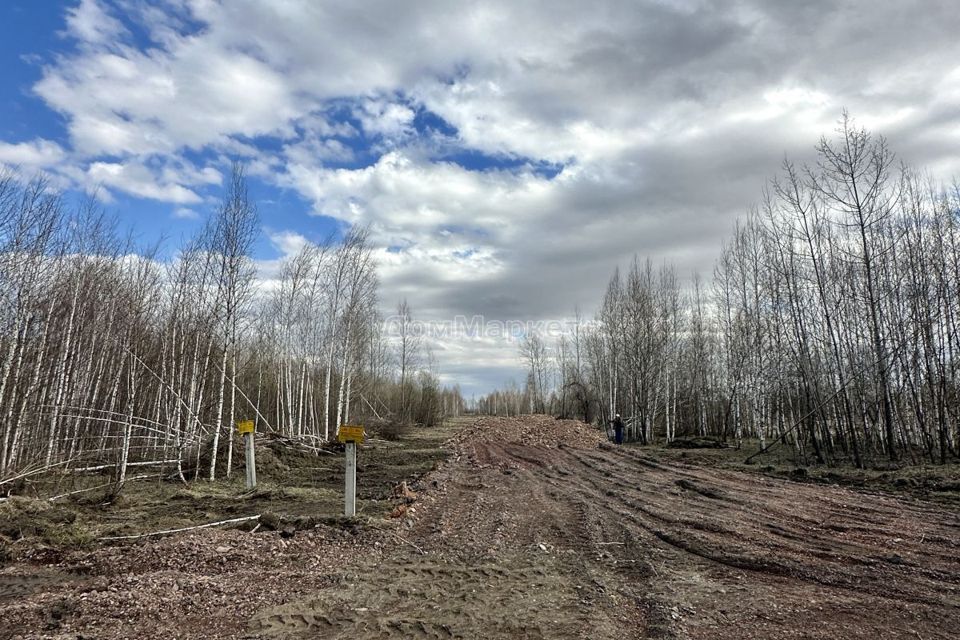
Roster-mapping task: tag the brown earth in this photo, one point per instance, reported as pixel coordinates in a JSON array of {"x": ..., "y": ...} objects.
[{"x": 531, "y": 529}]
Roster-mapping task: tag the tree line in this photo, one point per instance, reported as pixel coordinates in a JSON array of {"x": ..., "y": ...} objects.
[
  {"x": 830, "y": 324},
  {"x": 111, "y": 357}
]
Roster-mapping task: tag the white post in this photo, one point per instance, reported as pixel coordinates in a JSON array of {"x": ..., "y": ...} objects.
[
  {"x": 251, "y": 462},
  {"x": 350, "y": 481}
]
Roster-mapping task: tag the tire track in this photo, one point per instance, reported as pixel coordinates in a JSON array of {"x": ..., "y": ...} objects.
[
  {"x": 669, "y": 520},
  {"x": 525, "y": 541}
]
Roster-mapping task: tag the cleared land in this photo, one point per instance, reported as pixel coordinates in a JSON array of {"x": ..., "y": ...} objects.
[{"x": 530, "y": 528}]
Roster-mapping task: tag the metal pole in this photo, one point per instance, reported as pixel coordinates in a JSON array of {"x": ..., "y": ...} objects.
[
  {"x": 350, "y": 481},
  {"x": 251, "y": 462}
]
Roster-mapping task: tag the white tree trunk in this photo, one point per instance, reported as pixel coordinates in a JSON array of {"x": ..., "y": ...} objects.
[{"x": 219, "y": 416}]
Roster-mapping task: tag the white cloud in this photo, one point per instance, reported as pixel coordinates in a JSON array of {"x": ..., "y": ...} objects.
[
  {"x": 408, "y": 195},
  {"x": 91, "y": 23},
  {"x": 184, "y": 213},
  {"x": 388, "y": 119},
  {"x": 164, "y": 101},
  {"x": 313, "y": 149},
  {"x": 547, "y": 81},
  {"x": 136, "y": 179},
  {"x": 34, "y": 155},
  {"x": 287, "y": 242}
]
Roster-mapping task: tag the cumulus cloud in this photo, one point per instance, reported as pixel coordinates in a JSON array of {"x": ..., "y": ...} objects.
[
  {"x": 136, "y": 179},
  {"x": 34, "y": 155},
  {"x": 506, "y": 155},
  {"x": 287, "y": 242},
  {"x": 548, "y": 81},
  {"x": 391, "y": 120},
  {"x": 90, "y": 22}
]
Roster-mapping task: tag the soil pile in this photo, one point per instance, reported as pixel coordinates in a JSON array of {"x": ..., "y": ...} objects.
[{"x": 534, "y": 430}]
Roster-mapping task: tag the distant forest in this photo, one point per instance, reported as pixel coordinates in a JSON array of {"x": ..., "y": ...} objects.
[
  {"x": 830, "y": 323},
  {"x": 112, "y": 358}
]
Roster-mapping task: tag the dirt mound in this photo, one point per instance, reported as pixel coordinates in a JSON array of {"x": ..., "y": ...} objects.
[{"x": 535, "y": 430}]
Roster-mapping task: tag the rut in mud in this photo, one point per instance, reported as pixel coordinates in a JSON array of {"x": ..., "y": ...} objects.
[{"x": 566, "y": 542}]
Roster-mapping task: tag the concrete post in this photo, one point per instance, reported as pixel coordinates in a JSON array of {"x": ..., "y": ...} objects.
[
  {"x": 350, "y": 481},
  {"x": 251, "y": 461}
]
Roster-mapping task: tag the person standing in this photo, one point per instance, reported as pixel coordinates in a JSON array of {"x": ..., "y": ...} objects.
[{"x": 618, "y": 429}]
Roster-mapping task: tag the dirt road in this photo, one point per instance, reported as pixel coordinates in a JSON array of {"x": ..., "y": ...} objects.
[
  {"x": 525, "y": 541},
  {"x": 552, "y": 537}
]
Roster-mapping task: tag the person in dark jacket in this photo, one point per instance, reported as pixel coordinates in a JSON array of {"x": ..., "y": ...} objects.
[{"x": 618, "y": 429}]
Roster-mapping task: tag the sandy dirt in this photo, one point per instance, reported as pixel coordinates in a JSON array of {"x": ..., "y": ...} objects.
[{"x": 531, "y": 529}]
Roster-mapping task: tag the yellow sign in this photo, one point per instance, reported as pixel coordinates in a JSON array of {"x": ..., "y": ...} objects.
[
  {"x": 245, "y": 426},
  {"x": 350, "y": 433}
]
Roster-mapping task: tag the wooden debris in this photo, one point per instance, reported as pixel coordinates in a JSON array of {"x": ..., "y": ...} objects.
[
  {"x": 405, "y": 541},
  {"x": 182, "y": 529},
  {"x": 403, "y": 491}
]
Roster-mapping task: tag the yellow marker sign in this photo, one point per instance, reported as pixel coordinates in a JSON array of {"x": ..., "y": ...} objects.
[
  {"x": 350, "y": 433},
  {"x": 245, "y": 426}
]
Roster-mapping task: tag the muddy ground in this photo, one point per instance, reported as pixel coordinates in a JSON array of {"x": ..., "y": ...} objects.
[{"x": 529, "y": 529}]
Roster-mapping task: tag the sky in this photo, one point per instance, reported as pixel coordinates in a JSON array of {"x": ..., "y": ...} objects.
[{"x": 506, "y": 155}]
